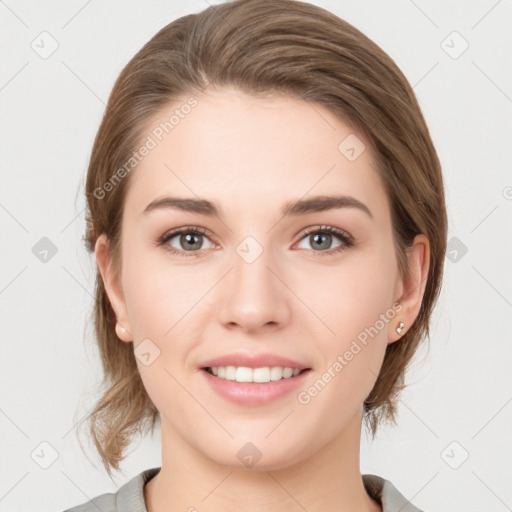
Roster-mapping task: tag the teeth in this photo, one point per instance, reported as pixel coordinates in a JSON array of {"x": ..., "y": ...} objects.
[{"x": 245, "y": 374}]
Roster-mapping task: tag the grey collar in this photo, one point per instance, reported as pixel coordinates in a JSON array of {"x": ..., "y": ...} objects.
[{"x": 130, "y": 497}]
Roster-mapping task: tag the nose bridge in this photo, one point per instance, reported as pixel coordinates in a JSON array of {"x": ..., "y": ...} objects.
[
  {"x": 253, "y": 252},
  {"x": 252, "y": 277}
]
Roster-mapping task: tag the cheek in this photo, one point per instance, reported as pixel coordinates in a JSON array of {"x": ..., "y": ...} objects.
[
  {"x": 158, "y": 292},
  {"x": 352, "y": 296},
  {"x": 354, "y": 302}
]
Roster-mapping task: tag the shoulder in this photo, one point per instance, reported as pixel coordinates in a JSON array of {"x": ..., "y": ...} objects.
[
  {"x": 129, "y": 497},
  {"x": 105, "y": 502},
  {"x": 384, "y": 492}
]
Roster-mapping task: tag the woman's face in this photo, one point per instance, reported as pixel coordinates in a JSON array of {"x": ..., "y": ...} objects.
[{"x": 255, "y": 281}]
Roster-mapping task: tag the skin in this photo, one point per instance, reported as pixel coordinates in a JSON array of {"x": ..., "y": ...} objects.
[{"x": 250, "y": 155}]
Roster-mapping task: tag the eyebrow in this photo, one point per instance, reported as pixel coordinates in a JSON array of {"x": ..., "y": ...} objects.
[{"x": 292, "y": 208}]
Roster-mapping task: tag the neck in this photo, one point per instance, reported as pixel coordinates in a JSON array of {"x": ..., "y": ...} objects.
[{"x": 328, "y": 480}]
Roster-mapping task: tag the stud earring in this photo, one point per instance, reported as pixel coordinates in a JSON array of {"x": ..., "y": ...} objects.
[
  {"x": 119, "y": 327},
  {"x": 400, "y": 328}
]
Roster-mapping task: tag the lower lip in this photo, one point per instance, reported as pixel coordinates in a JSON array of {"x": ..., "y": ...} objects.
[{"x": 254, "y": 393}]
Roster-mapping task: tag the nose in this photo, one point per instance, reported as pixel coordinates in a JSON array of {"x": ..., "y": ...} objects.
[{"x": 253, "y": 296}]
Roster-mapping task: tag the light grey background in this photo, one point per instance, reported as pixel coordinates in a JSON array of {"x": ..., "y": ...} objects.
[{"x": 459, "y": 402}]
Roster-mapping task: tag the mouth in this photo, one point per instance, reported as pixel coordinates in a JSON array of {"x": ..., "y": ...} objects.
[
  {"x": 259, "y": 375},
  {"x": 254, "y": 379}
]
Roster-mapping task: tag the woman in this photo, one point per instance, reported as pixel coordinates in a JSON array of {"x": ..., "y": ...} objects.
[{"x": 267, "y": 212}]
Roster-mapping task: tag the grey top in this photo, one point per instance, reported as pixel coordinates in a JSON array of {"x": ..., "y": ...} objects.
[{"x": 130, "y": 497}]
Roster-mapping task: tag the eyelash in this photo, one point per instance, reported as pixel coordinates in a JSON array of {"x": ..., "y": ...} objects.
[{"x": 345, "y": 238}]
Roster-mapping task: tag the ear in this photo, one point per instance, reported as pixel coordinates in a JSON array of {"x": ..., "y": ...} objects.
[
  {"x": 113, "y": 287},
  {"x": 409, "y": 290}
]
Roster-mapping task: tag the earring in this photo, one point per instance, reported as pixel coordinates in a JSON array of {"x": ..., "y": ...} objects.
[
  {"x": 400, "y": 328},
  {"x": 119, "y": 327}
]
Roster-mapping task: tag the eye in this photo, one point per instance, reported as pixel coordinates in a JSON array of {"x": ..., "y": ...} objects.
[
  {"x": 320, "y": 237},
  {"x": 188, "y": 240}
]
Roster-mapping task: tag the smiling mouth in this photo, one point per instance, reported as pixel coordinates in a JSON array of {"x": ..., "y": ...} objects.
[{"x": 255, "y": 375}]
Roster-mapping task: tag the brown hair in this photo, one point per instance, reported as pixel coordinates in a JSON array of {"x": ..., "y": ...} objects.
[{"x": 258, "y": 47}]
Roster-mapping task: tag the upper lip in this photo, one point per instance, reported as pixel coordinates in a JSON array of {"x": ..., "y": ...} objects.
[{"x": 253, "y": 361}]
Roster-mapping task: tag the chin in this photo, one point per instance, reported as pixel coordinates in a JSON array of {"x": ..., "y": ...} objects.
[
  {"x": 258, "y": 455},
  {"x": 275, "y": 462}
]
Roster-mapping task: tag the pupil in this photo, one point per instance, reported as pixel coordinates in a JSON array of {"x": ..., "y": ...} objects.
[
  {"x": 189, "y": 237},
  {"x": 321, "y": 235}
]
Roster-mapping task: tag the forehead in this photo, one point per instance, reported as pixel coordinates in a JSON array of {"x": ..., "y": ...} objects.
[{"x": 243, "y": 152}]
